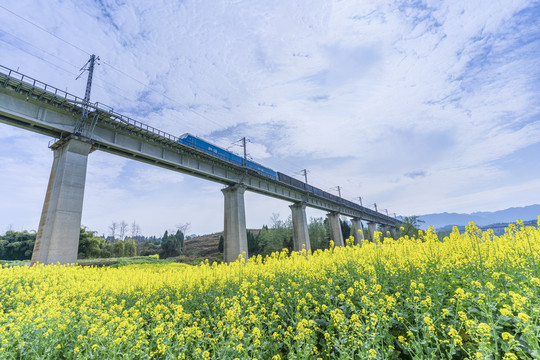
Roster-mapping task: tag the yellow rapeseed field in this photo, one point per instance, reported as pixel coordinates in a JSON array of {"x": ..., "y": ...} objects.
[{"x": 472, "y": 296}]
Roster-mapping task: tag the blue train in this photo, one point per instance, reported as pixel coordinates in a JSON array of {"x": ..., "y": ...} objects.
[{"x": 204, "y": 146}]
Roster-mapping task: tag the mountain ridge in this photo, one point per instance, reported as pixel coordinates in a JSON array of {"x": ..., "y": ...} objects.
[{"x": 481, "y": 218}]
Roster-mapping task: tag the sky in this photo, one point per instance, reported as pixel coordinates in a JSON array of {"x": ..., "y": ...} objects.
[{"x": 418, "y": 106}]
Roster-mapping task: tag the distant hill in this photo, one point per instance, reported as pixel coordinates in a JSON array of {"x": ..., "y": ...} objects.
[
  {"x": 206, "y": 246},
  {"x": 498, "y": 229},
  {"x": 484, "y": 218}
]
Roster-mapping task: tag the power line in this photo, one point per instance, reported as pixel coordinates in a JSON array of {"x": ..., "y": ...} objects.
[
  {"x": 161, "y": 94},
  {"x": 43, "y": 29},
  {"x": 39, "y": 57},
  {"x": 114, "y": 68},
  {"x": 36, "y": 47}
]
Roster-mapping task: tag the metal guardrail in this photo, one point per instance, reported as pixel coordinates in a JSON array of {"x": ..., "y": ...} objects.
[
  {"x": 27, "y": 83},
  {"x": 23, "y": 82}
]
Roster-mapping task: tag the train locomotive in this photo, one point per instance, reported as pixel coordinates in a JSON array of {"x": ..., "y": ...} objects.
[
  {"x": 213, "y": 150},
  {"x": 206, "y": 147}
]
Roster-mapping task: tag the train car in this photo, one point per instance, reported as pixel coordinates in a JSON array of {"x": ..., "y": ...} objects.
[
  {"x": 291, "y": 181},
  {"x": 318, "y": 191},
  {"x": 205, "y": 146},
  {"x": 262, "y": 170}
]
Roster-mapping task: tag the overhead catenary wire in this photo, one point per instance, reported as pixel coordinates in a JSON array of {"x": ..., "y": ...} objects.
[
  {"x": 220, "y": 126},
  {"x": 106, "y": 88},
  {"x": 43, "y": 29},
  {"x": 111, "y": 66},
  {"x": 163, "y": 95},
  {"x": 38, "y": 48},
  {"x": 64, "y": 69},
  {"x": 39, "y": 57}
]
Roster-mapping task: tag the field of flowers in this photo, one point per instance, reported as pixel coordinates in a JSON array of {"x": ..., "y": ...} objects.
[{"x": 471, "y": 296}]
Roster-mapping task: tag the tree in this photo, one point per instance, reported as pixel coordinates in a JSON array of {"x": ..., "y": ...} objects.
[
  {"x": 172, "y": 245},
  {"x": 135, "y": 230},
  {"x": 16, "y": 245},
  {"x": 117, "y": 249},
  {"x": 319, "y": 234},
  {"x": 149, "y": 247},
  {"x": 113, "y": 227},
  {"x": 122, "y": 230},
  {"x": 345, "y": 229},
  {"x": 91, "y": 246},
  {"x": 278, "y": 237},
  {"x": 221, "y": 244},
  {"x": 410, "y": 226},
  {"x": 179, "y": 241},
  {"x": 130, "y": 247},
  {"x": 253, "y": 243},
  {"x": 183, "y": 228}
]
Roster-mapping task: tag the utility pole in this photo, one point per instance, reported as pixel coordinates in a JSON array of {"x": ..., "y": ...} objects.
[
  {"x": 244, "y": 142},
  {"x": 338, "y": 188},
  {"x": 90, "y": 64},
  {"x": 360, "y": 198},
  {"x": 305, "y": 174},
  {"x": 86, "y": 101},
  {"x": 245, "y": 150},
  {"x": 375, "y": 204}
]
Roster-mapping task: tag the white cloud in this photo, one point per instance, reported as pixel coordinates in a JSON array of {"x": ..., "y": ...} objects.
[{"x": 360, "y": 93}]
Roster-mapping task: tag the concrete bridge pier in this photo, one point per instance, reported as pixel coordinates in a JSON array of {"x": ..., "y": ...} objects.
[
  {"x": 300, "y": 227},
  {"x": 358, "y": 230},
  {"x": 335, "y": 228},
  {"x": 393, "y": 231},
  {"x": 372, "y": 227},
  {"x": 384, "y": 231},
  {"x": 234, "y": 234},
  {"x": 57, "y": 239}
]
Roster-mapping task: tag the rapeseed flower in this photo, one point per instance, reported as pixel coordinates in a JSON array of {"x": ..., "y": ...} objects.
[{"x": 418, "y": 295}]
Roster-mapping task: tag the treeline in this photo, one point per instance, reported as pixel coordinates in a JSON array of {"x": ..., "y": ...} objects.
[
  {"x": 280, "y": 235},
  {"x": 16, "y": 245}
]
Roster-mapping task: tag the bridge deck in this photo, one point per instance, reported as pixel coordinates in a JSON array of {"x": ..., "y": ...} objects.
[{"x": 39, "y": 107}]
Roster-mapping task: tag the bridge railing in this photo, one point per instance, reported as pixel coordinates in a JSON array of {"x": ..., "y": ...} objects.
[
  {"x": 127, "y": 120},
  {"x": 27, "y": 83}
]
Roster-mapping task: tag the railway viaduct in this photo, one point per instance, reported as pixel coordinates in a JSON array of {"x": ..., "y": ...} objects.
[{"x": 81, "y": 127}]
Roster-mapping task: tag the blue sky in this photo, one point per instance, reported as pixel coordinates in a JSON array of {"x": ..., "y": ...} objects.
[{"x": 419, "y": 107}]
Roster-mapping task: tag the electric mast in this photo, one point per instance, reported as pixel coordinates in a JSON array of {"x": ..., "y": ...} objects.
[{"x": 90, "y": 63}]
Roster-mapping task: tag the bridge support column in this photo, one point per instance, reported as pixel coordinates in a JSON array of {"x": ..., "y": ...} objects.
[
  {"x": 300, "y": 227},
  {"x": 358, "y": 231},
  {"x": 335, "y": 229},
  {"x": 384, "y": 230},
  {"x": 393, "y": 231},
  {"x": 372, "y": 227},
  {"x": 234, "y": 234},
  {"x": 57, "y": 239}
]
